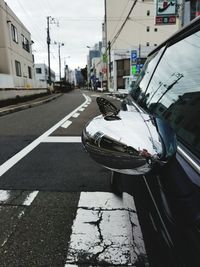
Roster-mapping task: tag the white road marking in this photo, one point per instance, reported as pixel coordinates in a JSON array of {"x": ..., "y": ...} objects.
[
  {"x": 4, "y": 195},
  {"x": 76, "y": 115},
  {"x": 63, "y": 139},
  {"x": 106, "y": 230},
  {"x": 95, "y": 95},
  {"x": 17, "y": 157},
  {"x": 66, "y": 124},
  {"x": 29, "y": 199},
  {"x": 4, "y": 242},
  {"x": 81, "y": 109}
]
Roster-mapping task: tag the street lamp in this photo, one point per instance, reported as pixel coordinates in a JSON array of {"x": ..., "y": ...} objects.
[{"x": 50, "y": 20}]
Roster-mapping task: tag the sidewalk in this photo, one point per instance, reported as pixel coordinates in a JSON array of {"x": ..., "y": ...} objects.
[{"x": 28, "y": 104}]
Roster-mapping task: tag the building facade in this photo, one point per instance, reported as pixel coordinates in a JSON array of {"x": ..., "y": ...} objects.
[
  {"x": 137, "y": 26},
  {"x": 94, "y": 53},
  {"x": 16, "y": 59},
  {"x": 41, "y": 73}
]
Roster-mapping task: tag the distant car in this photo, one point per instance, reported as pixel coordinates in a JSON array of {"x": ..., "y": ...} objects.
[{"x": 156, "y": 135}]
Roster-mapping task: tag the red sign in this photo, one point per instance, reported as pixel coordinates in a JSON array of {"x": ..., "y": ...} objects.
[{"x": 165, "y": 20}]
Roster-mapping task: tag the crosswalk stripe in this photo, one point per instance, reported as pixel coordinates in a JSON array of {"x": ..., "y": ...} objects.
[
  {"x": 62, "y": 139},
  {"x": 106, "y": 229},
  {"x": 29, "y": 199}
]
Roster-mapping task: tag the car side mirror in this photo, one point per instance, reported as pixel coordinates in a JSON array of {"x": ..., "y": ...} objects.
[{"x": 130, "y": 142}]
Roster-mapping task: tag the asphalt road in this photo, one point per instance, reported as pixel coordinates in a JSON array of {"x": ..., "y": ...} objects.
[{"x": 48, "y": 184}]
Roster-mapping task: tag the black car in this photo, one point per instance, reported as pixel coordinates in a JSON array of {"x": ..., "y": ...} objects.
[{"x": 156, "y": 135}]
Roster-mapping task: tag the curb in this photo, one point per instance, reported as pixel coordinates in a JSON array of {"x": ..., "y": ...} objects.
[{"x": 9, "y": 110}]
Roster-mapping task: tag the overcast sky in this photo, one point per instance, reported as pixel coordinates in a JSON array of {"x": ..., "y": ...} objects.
[{"x": 78, "y": 24}]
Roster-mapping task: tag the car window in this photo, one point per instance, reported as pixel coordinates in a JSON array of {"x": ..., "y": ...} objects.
[
  {"x": 174, "y": 90},
  {"x": 143, "y": 80}
]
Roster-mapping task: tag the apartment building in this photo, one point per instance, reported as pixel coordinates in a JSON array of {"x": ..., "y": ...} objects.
[
  {"x": 42, "y": 75},
  {"x": 16, "y": 59},
  {"x": 136, "y": 26}
]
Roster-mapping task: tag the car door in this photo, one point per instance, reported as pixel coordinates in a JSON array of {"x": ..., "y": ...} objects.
[{"x": 169, "y": 87}]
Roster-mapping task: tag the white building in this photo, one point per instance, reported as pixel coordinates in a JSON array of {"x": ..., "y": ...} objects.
[
  {"x": 133, "y": 25},
  {"x": 42, "y": 75},
  {"x": 16, "y": 59}
]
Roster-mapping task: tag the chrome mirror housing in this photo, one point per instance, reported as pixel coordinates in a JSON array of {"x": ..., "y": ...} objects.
[{"x": 131, "y": 144}]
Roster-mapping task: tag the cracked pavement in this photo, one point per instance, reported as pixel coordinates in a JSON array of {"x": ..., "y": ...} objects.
[{"x": 105, "y": 236}]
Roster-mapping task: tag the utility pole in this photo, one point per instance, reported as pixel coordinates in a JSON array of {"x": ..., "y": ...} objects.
[
  {"x": 48, "y": 49},
  {"x": 59, "y": 45},
  {"x": 59, "y": 61},
  {"x": 49, "y": 20},
  {"x": 139, "y": 57},
  {"x": 109, "y": 62}
]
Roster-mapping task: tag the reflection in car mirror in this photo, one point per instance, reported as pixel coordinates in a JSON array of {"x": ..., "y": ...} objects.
[
  {"x": 132, "y": 144},
  {"x": 107, "y": 109}
]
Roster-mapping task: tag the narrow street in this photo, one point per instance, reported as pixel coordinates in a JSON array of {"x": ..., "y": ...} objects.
[{"x": 57, "y": 208}]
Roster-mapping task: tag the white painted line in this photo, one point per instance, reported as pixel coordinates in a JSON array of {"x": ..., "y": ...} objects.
[
  {"x": 95, "y": 95},
  {"x": 4, "y": 242},
  {"x": 76, "y": 115},
  {"x": 81, "y": 109},
  {"x": 29, "y": 199},
  {"x": 106, "y": 229},
  {"x": 66, "y": 124},
  {"x": 63, "y": 139},
  {"x": 4, "y": 195},
  {"x": 17, "y": 157},
  {"x": 104, "y": 199}
]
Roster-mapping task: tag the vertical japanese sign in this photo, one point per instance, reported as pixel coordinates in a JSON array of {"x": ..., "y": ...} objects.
[
  {"x": 166, "y": 12},
  {"x": 133, "y": 62}
]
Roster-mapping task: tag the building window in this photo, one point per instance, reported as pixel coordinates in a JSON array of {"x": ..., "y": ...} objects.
[
  {"x": 14, "y": 33},
  {"x": 155, "y": 29},
  {"x": 147, "y": 43},
  {"x": 29, "y": 72},
  {"x": 25, "y": 43},
  {"x": 148, "y": 28},
  {"x": 18, "y": 68},
  {"x": 38, "y": 70},
  {"x": 148, "y": 12}
]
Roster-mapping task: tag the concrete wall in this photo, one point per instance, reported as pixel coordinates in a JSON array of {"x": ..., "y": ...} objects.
[{"x": 8, "y": 94}]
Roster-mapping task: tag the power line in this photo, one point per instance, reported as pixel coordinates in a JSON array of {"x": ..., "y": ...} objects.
[
  {"x": 123, "y": 24},
  {"x": 120, "y": 18}
]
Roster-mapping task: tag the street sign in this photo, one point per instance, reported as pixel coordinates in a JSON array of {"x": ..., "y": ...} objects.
[
  {"x": 133, "y": 56},
  {"x": 133, "y": 70}
]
